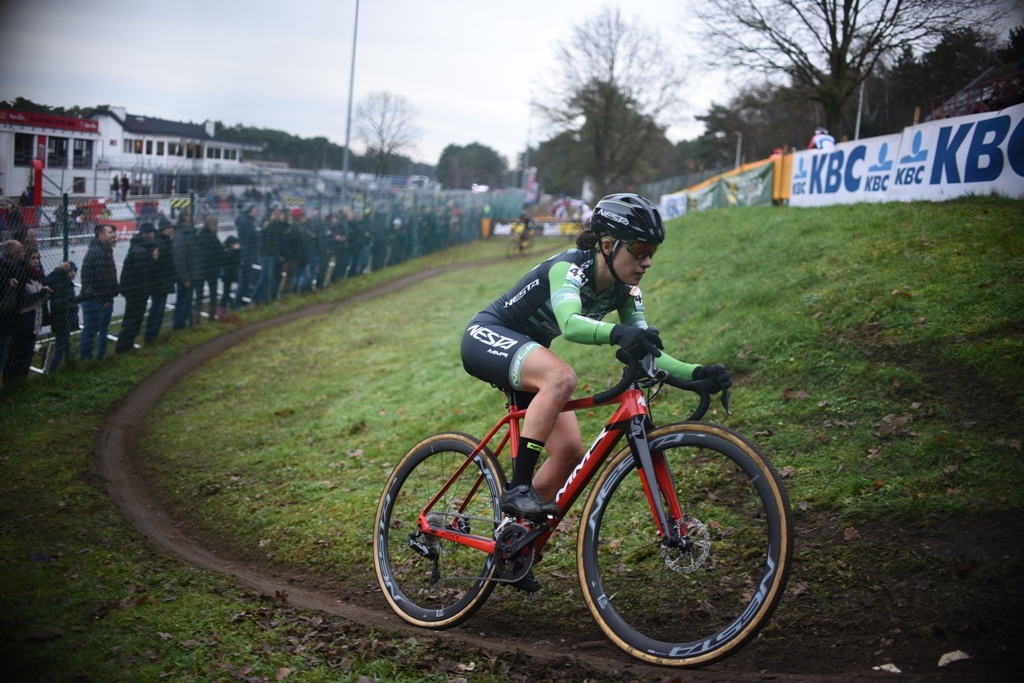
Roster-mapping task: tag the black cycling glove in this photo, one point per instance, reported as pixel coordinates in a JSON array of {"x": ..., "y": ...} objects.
[
  {"x": 637, "y": 341},
  {"x": 715, "y": 376}
]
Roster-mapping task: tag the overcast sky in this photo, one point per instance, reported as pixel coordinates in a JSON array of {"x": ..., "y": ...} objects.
[{"x": 470, "y": 67}]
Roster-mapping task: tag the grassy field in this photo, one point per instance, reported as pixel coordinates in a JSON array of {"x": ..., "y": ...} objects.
[{"x": 879, "y": 359}]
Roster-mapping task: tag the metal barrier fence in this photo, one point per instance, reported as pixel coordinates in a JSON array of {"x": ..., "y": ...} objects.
[{"x": 58, "y": 304}]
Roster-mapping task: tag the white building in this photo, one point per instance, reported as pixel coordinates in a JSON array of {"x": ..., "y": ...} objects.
[{"x": 83, "y": 156}]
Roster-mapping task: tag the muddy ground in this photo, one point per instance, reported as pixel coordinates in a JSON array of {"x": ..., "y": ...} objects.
[{"x": 859, "y": 599}]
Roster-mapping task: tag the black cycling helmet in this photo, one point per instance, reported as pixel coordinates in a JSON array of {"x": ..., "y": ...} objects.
[{"x": 628, "y": 217}]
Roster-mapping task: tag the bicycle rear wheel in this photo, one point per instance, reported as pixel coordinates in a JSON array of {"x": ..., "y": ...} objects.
[
  {"x": 687, "y": 607},
  {"x": 427, "y": 580}
]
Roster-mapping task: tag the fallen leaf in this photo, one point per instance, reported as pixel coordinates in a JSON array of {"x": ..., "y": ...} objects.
[
  {"x": 891, "y": 668},
  {"x": 954, "y": 656},
  {"x": 851, "y": 534},
  {"x": 283, "y": 673},
  {"x": 787, "y": 471}
]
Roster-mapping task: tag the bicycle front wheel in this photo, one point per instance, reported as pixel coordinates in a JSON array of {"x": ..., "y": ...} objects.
[
  {"x": 687, "y": 606},
  {"x": 430, "y": 581}
]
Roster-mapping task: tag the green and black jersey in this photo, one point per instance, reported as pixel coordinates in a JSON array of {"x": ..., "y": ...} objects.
[{"x": 558, "y": 297}]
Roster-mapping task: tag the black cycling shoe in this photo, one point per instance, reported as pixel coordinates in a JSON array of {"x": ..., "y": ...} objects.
[
  {"x": 524, "y": 501},
  {"x": 527, "y": 584}
]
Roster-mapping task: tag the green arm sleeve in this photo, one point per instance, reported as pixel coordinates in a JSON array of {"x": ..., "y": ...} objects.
[
  {"x": 566, "y": 303},
  {"x": 568, "y": 309}
]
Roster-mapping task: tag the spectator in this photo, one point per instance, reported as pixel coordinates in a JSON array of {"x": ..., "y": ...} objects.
[
  {"x": 99, "y": 287},
  {"x": 163, "y": 279},
  {"x": 270, "y": 257},
  {"x": 309, "y": 256},
  {"x": 248, "y": 240},
  {"x": 339, "y": 238},
  {"x": 821, "y": 140},
  {"x": 12, "y": 285},
  {"x": 63, "y": 311},
  {"x": 229, "y": 272},
  {"x": 136, "y": 284},
  {"x": 183, "y": 247},
  {"x": 209, "y": 261},
  {"x": 25, "y": 326},
  {"x": 361, "y": 239},
  {"x": 125, "y": 188},
  {"x": 292, "y": 249}
]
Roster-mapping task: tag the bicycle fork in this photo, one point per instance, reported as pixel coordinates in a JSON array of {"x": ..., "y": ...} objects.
[{"x": 658, "y": 486}]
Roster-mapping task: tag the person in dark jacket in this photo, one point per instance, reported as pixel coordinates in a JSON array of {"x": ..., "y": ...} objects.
[
  {"x": 209, "y": 261},
  {"x": 162, "y": 282},
  {"x": 292, "y": 249},
  {"x": 183, "y": 247},
  {"x": 12, "y": 286},
  {"x": 271, "y": 260},
  {"x": 63, "y": 312},
  {"x": 99, "y": 287},
  {"x": 248, "y": 240},
  {"x": 229, "y": 272},
  {"x": 26, "y": 325},
  {"x": 136, "y": 284}
]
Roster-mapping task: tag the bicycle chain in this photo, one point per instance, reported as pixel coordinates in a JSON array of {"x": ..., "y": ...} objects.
[{"x": 497, "y": 531}]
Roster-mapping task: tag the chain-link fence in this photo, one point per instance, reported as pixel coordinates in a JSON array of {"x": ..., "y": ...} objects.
[{"x": 86, "y": 279}]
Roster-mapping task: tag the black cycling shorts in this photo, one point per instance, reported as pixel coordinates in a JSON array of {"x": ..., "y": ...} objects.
[{"x": 495, "y": 354}]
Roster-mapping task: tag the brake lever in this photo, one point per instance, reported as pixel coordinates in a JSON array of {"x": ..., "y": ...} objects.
[
  {"x": 725, "y": 401},
  {"x": 652, "y": 370}
]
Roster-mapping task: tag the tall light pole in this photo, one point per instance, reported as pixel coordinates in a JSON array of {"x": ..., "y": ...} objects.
[
  {"x": 739, "y": 148},
  {"x": 348, "y": 122},
  {"x": 860, "y": 108},
  {"x": 529, "y": 135}
]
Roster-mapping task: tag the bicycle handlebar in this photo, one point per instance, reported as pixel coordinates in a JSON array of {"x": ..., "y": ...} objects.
[{"x": 638, "y": 369}]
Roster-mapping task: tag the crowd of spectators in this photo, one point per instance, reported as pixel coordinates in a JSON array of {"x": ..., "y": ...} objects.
[{"x": 276, "y": 251}]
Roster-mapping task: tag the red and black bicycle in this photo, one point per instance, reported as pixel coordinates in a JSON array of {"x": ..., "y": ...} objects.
[{"x": 684, "y": 543}]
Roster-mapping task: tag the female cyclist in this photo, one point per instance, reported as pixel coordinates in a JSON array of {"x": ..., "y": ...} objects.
[{"x": 507, "y": 344}]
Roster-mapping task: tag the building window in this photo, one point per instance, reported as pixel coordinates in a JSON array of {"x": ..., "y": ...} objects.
[
  {"x": 23, "y": 143},
  {"x": 175, "y": 149},
  {"x": 160, "y": 148},
  {"x": 231, "y": 154},
  {"x": 213, "y": 152},
  {"x": 81, "y": 156},
  {"x": 138, "y": 147},
  {"x": 78, "y": 186},
  {"x": 149, "y": 147},
  {"x": 128, "y": 144},
  {"x": 194, "y": 151},
  {"x": 57, "y": 152}
]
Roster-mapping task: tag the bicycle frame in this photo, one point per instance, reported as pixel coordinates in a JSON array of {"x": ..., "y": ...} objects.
[{"x": 631, "y": 419}]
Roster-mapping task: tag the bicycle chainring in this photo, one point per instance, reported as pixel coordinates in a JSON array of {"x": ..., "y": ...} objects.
[{"x": 512, "y": 565}]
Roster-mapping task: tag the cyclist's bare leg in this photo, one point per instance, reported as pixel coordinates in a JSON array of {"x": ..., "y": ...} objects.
[
  {"x": 565, "y": 450},
  {"x": 553, "y": 381}
]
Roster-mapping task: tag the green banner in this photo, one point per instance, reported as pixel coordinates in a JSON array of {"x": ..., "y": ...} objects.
[{"x": 752, "y": 187}]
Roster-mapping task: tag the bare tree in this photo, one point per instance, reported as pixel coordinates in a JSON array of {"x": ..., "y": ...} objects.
[
  {"x": 383, "y": 122},
  {"x": 828, "y": 47},
  {"x": 618, "y": 81}
]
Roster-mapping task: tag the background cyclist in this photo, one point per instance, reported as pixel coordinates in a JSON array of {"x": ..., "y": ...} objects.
[{"x": 507, "y": 344}]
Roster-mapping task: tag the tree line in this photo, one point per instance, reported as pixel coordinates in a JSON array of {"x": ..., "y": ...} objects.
[{"x": 617, "y": 86}]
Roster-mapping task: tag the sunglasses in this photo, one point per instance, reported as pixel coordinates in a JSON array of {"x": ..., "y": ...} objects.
[{"x": 641, "y": 250}]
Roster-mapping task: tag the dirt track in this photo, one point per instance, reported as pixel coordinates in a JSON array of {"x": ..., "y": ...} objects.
[{"x": 118, "y": 468}]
